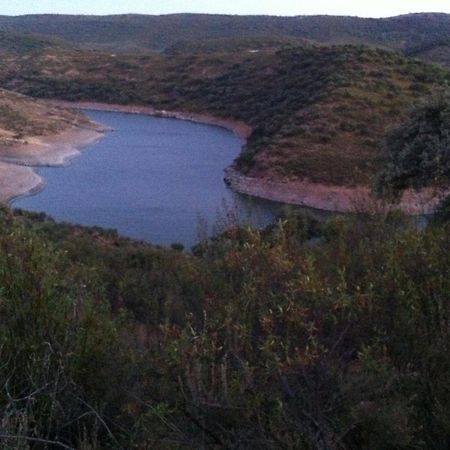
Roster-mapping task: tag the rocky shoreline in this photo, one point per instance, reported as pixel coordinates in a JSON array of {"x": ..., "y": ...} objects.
[{"x": 343, "y": 199}]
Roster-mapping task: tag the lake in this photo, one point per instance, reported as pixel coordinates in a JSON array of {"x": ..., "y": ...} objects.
[{"x": 154, "y": 179}]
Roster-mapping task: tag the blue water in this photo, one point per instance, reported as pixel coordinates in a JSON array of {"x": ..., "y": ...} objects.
[{"x": 158, "y": 180}]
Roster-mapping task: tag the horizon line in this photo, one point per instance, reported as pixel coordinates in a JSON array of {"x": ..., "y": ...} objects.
[{"x": 221, "y": 14}]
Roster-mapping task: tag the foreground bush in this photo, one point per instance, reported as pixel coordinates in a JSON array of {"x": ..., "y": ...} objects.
[{"x": 261, "y": 340}]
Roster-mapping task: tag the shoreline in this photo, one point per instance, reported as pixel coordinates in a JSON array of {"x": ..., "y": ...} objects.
[
  {"x": 59, "y": 150},
  {"x": 332, "y": 198},
  {"x": 17, "y": 181},
  {"x": 239, "y": 128},
  {"x": 18, "y": 162}
]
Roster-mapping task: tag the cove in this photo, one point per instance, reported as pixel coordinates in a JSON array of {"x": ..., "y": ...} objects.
[{"x": 152, "y": 179}]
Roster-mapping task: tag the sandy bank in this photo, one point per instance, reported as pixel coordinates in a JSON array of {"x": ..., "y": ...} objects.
[
  {"x": 16, "y": 181},
  {"x": 55, "y": 150}
]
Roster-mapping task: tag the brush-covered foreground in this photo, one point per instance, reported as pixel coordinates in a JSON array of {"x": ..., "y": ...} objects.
[{"x": 256, "y": 340}]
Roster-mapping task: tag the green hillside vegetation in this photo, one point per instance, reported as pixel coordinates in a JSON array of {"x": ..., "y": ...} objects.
[
  {"x": 421, "y": 35},
  {"x": 418, "y": 152},
  {"x": 318, "y": 112},
  {"x": 257, "y": 340}
]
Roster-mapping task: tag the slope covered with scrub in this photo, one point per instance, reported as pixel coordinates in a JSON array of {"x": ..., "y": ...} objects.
[
  {"x": 421, "y": 35},
  {"x": 317, "y": 112},
  {"x": 257, "y": 340}
]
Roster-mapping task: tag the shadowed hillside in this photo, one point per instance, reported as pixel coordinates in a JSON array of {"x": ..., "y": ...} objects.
[{"x": 27, "y": 43}]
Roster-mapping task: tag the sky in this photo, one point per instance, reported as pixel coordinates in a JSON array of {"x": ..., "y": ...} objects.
[{"x": 362, "y": 8}]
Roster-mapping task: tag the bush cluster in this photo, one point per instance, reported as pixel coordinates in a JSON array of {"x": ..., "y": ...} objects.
[{"x": 258, "y": 339}]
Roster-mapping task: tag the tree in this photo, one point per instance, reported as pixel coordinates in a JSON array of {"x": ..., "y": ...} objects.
[{"x": 418, "y": 152}]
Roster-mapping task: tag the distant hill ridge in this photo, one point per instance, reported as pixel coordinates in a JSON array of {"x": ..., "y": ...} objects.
[{"x": 423, "y": 35}]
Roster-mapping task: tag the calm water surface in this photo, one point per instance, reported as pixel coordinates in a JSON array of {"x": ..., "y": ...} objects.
[{"x": 153, "y": 179}]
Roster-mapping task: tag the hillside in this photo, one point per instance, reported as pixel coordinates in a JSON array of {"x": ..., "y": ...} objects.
[
  {"x": 26, "y": 43},
  {"x": 317, "y": 112},
  {"x": 420, "y": 35},
  {"x": 22, "y": 117}
]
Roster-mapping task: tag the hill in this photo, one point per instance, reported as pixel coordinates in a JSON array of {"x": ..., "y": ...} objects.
[
  {"x": 317, "y": 112},
  {"x": 420, "y": 35}
]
